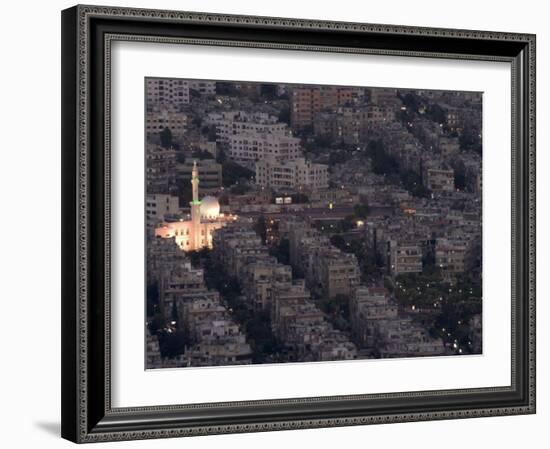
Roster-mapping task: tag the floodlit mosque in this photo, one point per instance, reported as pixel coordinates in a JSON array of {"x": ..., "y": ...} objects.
[{"x": 196, "y": 233}]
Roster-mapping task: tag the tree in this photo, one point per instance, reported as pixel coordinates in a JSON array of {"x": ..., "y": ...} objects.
[
  {"x": 221, "y": 157},
  {"x": 347, "y": 223},
  {"x": 152, "y": 298},
  {"x": 225, "y": 88},
  {"x": 260, "y": 227},
  {"x": 180, "y": 157},
  {"x": 323, "y": 140},
  {"x": 284, "y": 115},
  {"x": 166, "y": 138},
  {"x": 337, "y": 309},
  {"x": 338, "y": 157},
  {"x": 240, "y": 189},
  {"x": 411, "y": 101},
  {"x": 172, "y": 344},
  {"x": 209, "y": 132},
  {"x": 185, "y": 192},
  {"x": 197, "y": 121},
  {"x": 202, "y": 154},
  {"x": 469, "y": 140},
  {"x": 382, "y": 163},
  {"x": 233, "y": 172},
  {"x": 338, "y": 241},
  {"x": 299, "y": 198},
  {"x": 361, "y": 210},
  {"x": 412, "y": 181},
  {"x": 460, "y": 178},
  {"x": 437, "y": 114},
  {"x": 282, "y": 252},
  {"x": 269, "y": 91}
]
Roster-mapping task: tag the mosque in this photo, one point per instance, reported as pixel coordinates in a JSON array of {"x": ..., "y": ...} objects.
[{"x": 196, "y": 233}]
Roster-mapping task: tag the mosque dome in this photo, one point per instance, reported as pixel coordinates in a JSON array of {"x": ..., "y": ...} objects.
[{"x": 210, "y": 207}]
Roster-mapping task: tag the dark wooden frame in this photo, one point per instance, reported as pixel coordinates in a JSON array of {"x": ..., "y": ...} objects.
[{"x": 87, "y": 32}]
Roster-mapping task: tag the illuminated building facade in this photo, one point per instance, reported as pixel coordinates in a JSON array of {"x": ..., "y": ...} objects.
[{"x": 196, "y": 232}]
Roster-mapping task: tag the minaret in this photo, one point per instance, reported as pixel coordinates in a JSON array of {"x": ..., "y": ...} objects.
[{"x": 195, "y": 210}]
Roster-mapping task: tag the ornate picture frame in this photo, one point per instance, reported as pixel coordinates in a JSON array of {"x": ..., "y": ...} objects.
[{"x": 87, "y": 35}]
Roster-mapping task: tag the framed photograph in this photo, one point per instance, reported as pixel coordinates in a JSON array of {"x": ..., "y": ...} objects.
[{"x": 277, "y": 224}]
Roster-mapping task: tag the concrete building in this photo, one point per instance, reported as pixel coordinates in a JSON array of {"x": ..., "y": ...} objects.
[
  {"x": 384, "y": 96},
  {"x": 308, "y": 100},
  {"x": 162, "y": 256},
  {"x": 268, "y": 286},
  {"x": 209, "y": 147},
  {"x": 159, "y": 205},
  {"x": 451, "y": 255},
  {"x": 439, "y": 179},
  {"x": 259, "y": 280},
  {"x": 253, "y": 146},
  {"x": 338, "y": 272},
  {"x": 173, "y": 91},
  {"x": 369, "y": 305},
  {"x": 152, "y": 352},
  {"x": 214, "y": 338},
  {"x": 404, "y": 257},
  {"x": 169, "y": 118},
  {"x": 352, "y": 125},
  {"x": 167, "y": 91},
  {"x": 230, "y": 123},
  {"x": 403, "y": 338},
  {"x": 291, "y": 174},
  {"x": 202, "y": 86},
  {"x": 188, "y": 307},
  {"x": 160, "y": 170},
  {"x": 182, "y": 282},
  {"x": 328, "y": 271},
  {"x": 333, "y": 198}
]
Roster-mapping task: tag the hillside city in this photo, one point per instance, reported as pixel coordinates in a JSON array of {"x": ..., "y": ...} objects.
[{"x": 302, "y": 223}]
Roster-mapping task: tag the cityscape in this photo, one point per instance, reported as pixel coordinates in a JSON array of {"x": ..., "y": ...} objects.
[{"x": 310, "y": 223}]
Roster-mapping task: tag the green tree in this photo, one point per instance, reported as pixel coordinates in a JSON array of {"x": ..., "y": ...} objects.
[
  {"x": 202, "y": 154},
  {"x": 299, "y": 198},
  {"x": 152, "y": 298},
  {"x": 268, "y": 91},
  {"x": 347, "y": 223},
  {"x": 240, "y": 189},
  {"x": 172, "y": 344},
  {"x": 437, "y": 114},
  {"x": 338, "y": 241},
  {"x": 233, "y": 172},
  {"x": 284, "y": 114},
  {"x": 260, "y": 227},
  {"x": 361, "y": 210},
  {"x": 382, "y": 163},
  {"x": 209, "y": 132},
  {"x": 166, "y": 138},
  {"x": 413, "y": 183}
]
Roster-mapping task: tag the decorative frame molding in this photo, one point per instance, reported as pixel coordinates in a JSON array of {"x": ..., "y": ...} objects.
[{"x": 88, "y": 32}]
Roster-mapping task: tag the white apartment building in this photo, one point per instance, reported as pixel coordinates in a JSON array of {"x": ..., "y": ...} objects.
[
  {"x": 291, "y": 174},
  {"x": 255, "y": 146},
  {"x": 231, "y": 123}
]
